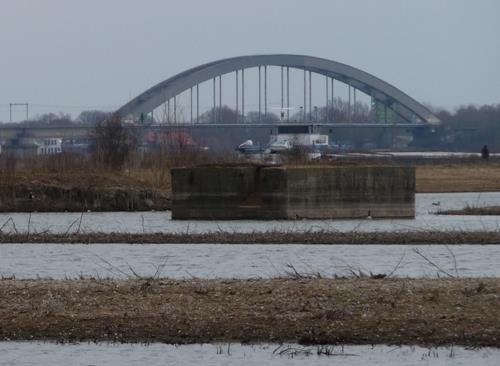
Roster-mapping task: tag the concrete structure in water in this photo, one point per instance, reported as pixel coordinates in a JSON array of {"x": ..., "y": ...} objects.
[{"x": 293, "y": 192}]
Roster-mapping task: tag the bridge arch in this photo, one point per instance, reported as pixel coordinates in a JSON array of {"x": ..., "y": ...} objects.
[{"x": 392, "y": 97}]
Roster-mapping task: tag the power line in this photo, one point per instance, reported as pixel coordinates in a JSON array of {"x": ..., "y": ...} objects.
[{"x": 18, "y": 105}]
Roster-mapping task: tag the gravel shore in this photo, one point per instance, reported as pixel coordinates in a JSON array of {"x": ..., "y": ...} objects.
[{"x": 300, "y": 309}]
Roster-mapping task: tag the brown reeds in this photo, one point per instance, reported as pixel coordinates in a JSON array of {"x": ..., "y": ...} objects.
[
  {"x": 473, "y": 210},
  {"x": 304, "y": 310}
]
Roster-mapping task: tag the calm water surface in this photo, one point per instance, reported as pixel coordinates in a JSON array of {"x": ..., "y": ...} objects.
[
  {"x": 244, "y": 261},
  {"x": 138, "y": 222},
  {"x": 47, "y": 354}
]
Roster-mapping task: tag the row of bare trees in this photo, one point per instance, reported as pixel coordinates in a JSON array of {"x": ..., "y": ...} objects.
[
  {"x": 337, "y": 110},
  {"x": 468, "y": 128}
]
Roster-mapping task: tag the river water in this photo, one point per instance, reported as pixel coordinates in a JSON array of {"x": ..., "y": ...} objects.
[
  {"x": 244, "y": 261},
  {"x": 138, "y": 222},
  {"x": 48, "y": 354}
]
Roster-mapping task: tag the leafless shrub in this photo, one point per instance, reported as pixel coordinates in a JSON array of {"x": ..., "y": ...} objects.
[{"x": 114, "y": 143}]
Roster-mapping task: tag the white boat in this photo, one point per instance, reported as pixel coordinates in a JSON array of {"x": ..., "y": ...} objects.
[
  {"x": 308, "y": 137},
  {"x": 248, "y": 147}
]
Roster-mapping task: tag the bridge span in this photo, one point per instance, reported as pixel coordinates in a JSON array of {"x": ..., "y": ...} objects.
[
  {"x": 159, "y": 108},
  {"x": 166, "y": 92}
]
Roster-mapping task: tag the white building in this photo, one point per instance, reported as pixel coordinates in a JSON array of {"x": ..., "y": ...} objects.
[{"x": 49, "y": 146}]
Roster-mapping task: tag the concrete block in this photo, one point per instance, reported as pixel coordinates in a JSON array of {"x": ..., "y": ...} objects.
[{"x": 293, "y": 192}]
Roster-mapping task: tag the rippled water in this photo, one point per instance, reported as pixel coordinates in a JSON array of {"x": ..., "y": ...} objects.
[
  {"x": 41, "y": 354},
  {"x": 137, "y": 222},
  {"x": 243, "y": 261}
]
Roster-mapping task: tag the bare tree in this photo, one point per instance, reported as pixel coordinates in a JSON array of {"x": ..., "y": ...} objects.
[
  {"x": 114, "y": 142},
  {"x": 93, "y": 117}
]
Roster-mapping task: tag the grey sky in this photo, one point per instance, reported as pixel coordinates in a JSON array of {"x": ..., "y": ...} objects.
[{"x": 62, "y": 55}]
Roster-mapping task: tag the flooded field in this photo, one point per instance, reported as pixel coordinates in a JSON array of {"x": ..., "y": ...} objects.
[
  {"x": 148, "y": 222},
  {"x": 244, "y": 261},
  {"x": 41, "y": 354},
  {"x": 59, "y": 261}
]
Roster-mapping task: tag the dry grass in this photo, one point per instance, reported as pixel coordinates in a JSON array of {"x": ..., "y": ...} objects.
[
  {"x": 477, "y": 177},
  {"x": 69, "y": 182},
  {"x": 76, "y": 183},
  {"x": 311, "y": 310},
  {"x": 77, "y": 170},
  {"x": 473, "y": 210}
]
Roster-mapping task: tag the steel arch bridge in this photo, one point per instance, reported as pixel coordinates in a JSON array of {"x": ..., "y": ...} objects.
[{"x": 391, "y": 97}]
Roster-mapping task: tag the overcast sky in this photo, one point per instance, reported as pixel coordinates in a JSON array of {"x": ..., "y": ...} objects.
[{"x": 68, "y": 56}]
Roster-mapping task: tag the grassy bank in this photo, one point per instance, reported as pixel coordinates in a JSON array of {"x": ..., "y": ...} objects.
[
  {"x": 472, "y": 210},
  {"x": 458, "y": 177},
  {"x": 269, "y": 237},
  {"x": 306, "y": 310},
  {"x": 78, "y": 183},
  {"x": 77, "y": 192}
]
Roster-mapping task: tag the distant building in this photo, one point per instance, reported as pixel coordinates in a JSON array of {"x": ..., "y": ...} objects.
[{"x": 49, "y": 146}]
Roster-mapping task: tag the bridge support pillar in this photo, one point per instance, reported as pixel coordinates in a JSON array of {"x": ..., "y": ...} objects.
[
  {"x": 243, "y": 95},
  {"x": 282, "y": 112},
  {"x": 237, "y": 96},
  {"x": 304, "y": 109},
  {"x": 175, "y": 109},
  {"x": 260, "y": 97},
  {"x": 215, "y": 103},
  {"x": 197, "y": 103},
  {"x": 288, "y": 93},
  {"x": 220, "y": 98},
  {"x": 191, "y": 104},
  {"x": 265, "y": 92},
  {"x": 349, "y": 103}
]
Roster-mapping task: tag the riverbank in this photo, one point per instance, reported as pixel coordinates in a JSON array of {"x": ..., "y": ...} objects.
[
  {"x": 269, "y": 237},
  {"x": 472, "y": 210},
  {"x": 458, "y": 177},
  {"x": 89, "y": 188},
  {"x": 81, "y": 192},
  {"x": 304, "y": 310}
]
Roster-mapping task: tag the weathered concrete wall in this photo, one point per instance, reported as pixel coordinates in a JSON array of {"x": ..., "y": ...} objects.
[
  {"x": 291, "y": 192},
  {"x": 214, "y": 193}
]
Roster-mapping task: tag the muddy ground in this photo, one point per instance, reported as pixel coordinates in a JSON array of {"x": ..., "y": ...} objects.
[
  {"x": 270, "y": 237},
  {"x": 306, "y": 310}
]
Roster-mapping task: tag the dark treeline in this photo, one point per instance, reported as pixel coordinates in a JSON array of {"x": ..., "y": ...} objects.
[
  {"x": 468, "y": 129},
  {"x": 91, "y": 117}
]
